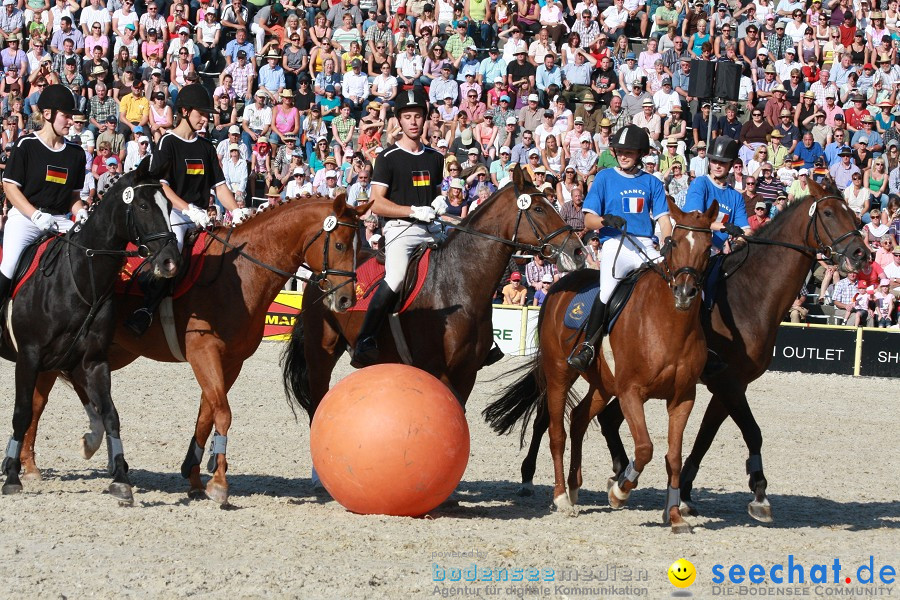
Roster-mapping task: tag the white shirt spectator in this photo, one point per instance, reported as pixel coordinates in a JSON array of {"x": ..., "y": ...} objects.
[
  {"x": 355, "y": 85},
  {"x": 407, "y": 66},
  {"x": 664, "y": 102},
  {"x": 613, "y": 18},
  {"x": 91, "y": 15},
  {"x": 235, "y": 174},
  {"x": 257, "y": 118}
]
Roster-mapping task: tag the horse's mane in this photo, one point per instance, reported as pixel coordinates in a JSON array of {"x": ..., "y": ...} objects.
[{"x": 263, "y": 217}]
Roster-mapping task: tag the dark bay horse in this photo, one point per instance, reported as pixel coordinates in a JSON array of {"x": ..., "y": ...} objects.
[
  {"x": 761, "y": 281},
  {"x": 62, "y": 318},
  {"x": 448, "y": 326},
  {"x": 656, "y": 350},
  {"x": 220, "y": 320}
]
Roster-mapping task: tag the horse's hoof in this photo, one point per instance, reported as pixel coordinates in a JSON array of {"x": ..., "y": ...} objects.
[
  {"x": 196, "y": 494},
  {"x": 34, "y": 475},
  {"x": 617, "y": 498},
  {"x": 687, "y": 510},
  {"x": 761, "y": 511},
  {"x": 527, "y": 490},
  {"x": 217, "y": 493},
  {"x": 122, "y": 493},
  {"x": 11, "y": 488},
  {"x": 681, "y": 528},
  {"x": 89, "y": 445},
  {"x": 564, "y": 505}
]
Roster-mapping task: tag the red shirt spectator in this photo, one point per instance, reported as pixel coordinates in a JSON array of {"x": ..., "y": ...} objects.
[{"x": 759, "y": 217}]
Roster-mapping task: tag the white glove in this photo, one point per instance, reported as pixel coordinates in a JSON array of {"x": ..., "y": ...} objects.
[
  {"x": 81, "y": 216},
  {"x": 199, "y": 217},
  {"x": 239, "y": 215},
  {"x": 426, "y": 214},
  {"x": 439, "y": 205},
  {"x": 43, "y": 221}
]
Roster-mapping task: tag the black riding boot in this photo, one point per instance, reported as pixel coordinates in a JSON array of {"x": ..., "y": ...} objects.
[
  {"x": 714, "y": 365},
  {"x": 155, "y": 290},
  {"x": 582, "y": 359},
  {"x": 366, "y": 351},
  {"x": 5, "y": 287}
]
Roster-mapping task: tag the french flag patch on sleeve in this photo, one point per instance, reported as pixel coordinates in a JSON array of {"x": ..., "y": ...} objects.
[
  {"x": 632, "y": 204},
  {"x": 723, "y": 217}
]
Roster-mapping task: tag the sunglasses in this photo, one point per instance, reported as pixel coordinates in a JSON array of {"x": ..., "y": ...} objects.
[{"x": 757, "y": 114}]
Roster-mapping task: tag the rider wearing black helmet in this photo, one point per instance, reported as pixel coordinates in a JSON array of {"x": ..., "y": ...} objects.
[
  {"x": 732, "y": 219},
  {"x": 703, "y": 190},
  {"x": 626, "y": 197},
  {"x": 188, "y": 168},
  {"x": 406, "y": 182},
  {"x": 42, "y": 180}
]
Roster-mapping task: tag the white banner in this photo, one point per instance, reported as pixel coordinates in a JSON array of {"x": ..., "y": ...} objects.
[{"x": 507, "y": 324}]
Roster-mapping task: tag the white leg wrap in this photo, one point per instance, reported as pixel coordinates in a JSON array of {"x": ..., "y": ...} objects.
[
  {"x": 619, "y": 492},
  {"x": 630, "y": 473}
]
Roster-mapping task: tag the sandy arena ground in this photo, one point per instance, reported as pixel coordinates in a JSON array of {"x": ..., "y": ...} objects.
[{"x": 830, "y": 454}]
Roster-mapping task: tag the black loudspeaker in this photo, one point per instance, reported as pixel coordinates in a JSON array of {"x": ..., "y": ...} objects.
[
  {"x": 728, "y": 80},
  {"x": 703, "y": 75}
]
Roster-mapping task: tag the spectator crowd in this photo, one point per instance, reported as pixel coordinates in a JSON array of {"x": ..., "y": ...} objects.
[{"x": 303, "y": 93}]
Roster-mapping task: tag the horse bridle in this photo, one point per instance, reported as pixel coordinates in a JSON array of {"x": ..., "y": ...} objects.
[
  {"x": 826, "y": 250},
  {"x": 670, "y": 243},
  {"x": 543, "y": 241},
  {"x": 317, "y": 277}
]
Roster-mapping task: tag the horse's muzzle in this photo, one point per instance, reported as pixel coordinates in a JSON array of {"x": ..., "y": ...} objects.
[
  {"x": 685, "y": 294},
  {"x": 572, "y": 257},
  {"x": 341, "y": 300},
  {"x": 166, "y": 267}
]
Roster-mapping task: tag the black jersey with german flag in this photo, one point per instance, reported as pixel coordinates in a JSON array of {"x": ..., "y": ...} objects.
[
  {"x": 412, "y": 178},
  {"x": 195, "y": 168},
  {"x": 48, "y": 178}
]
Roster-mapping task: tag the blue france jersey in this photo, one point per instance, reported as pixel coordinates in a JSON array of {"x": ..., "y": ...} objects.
[
  {"x": 638, "y": 199},
  {"x": 732, "y": 209}
]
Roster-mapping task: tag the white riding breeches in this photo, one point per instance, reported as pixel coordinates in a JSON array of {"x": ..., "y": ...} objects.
[
  {"x": 180, "y": 225},
  {"x": 627, "y": 260},
  {"x": 18, "y": 233},
  {"x": 400, "y": 239}
]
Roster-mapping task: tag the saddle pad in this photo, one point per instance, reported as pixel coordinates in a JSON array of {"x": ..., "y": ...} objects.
[
  {"x": 713, "y": 278},
  {"x": 32, "y": 257},
  {"x": 580, "y": 306},
  {"x": 371, "y": 272},
  {"x": 193, "y": 260}
]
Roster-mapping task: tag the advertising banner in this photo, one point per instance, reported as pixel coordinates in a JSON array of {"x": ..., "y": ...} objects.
[
  {"x": 880, "y": 353},
  {"x": 814, "y": 350},
  {"x": 281, "y": 315},
  {"x": 508, "y": 329}
]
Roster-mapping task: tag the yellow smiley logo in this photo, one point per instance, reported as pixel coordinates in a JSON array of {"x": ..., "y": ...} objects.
[{"x": 682, "y": 573}]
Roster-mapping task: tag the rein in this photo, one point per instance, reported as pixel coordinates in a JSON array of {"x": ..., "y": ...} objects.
[
  {"x": 99, "y": 300},
  {"x": 664, "y": 271},
  {"x": 524, "y": 203},
  {"x": 331, "y": 223},
  {"x": 828, "y": 251}
]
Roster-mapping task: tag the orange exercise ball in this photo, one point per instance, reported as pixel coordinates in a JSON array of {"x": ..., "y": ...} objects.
[{"x": 391, "y": 440}]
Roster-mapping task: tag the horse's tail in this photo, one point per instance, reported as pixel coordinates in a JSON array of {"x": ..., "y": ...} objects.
[
  {"x": 296, "y": 371},
  {"x": 519, "y": 400}
]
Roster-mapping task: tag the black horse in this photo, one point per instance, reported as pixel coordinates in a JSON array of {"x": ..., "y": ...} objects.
[{"x": 62, "y": 318}]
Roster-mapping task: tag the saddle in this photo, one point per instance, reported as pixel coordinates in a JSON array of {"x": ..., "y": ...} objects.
[
  {"x": 193, "y": 257},
  {"x": 586, "y": 284},
  {"x": 31, "y": 259},
  {"x": 370, "y": 273}
]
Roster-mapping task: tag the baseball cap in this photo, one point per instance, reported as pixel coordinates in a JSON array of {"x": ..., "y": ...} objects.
[
  {"x": 331, "y": 173},
  {"x": 516, "y": 276},
  {"x": 885, "y": 282},
  {"x": 473, "y": 151},
  {"x": 298, "y": 171},
  {"x": 112, "y": 160},
  {"x": 803, "y": 172},
  {"x": 504, "y": 98},
  {"x": 511, "y": 121},
  {"x": 143, "y": 138},
  {"x": 442, "y": 143},
  {"x": 457, "y": 183},
  {"x": 505, "y": 150},
  {"x": 534, "y": 152},
  {"x": 234, "y": 129},
  {"x": 233, "y": 147},
  {"x": 533, "y": 98},
  {"x": 760, "y": 205},
  {"x": 182, "y": 30},
  {"x": 581, "y": 120}
]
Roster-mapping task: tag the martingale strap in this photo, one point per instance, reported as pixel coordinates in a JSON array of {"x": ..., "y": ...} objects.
[{"x": 217, "y": 447}]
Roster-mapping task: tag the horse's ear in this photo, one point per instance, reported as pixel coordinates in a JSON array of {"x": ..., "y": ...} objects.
[
  {"x": 340, "y": 204},
  {"x": 712, "y": 211},
  {"x": 518, "y": 176},
  {"x": 143, "y": 169},
  {"x": 676, "y": 214},
  {"x": 362, "y": 209}
]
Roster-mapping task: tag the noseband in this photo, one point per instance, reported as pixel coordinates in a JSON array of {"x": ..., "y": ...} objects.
[
  {"x": 321, "y": 278},
  {"x": 691, "y": 272}
]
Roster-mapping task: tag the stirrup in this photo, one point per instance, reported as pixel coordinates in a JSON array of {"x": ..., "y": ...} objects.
[
  {"x": 139, "y": 321},
  {"x": 581, "y": 358}
]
